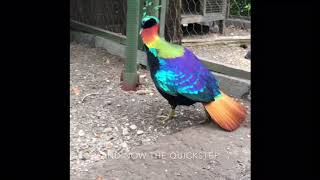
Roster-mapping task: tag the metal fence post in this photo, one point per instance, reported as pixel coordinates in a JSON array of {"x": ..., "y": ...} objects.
[
  {"x": 140, "y": 43},
  {"x": 130, "y": 75}
]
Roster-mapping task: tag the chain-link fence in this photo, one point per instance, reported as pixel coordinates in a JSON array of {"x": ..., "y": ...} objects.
[
  {"x": 184, "y": 18},
  {"x": 195, "y": 17},
  {"x": 217, "y": 30},
  {"x": 189, "y": 18},
  {"x": 106, "y": 14}
]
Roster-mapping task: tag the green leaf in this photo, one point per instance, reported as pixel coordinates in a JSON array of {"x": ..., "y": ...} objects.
[
  {"x": 157, "y": 7},
  {"x": 248, "y": 7}
]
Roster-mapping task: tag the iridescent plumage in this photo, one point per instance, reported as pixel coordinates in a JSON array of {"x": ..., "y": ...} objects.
[
  {"x": 183, "y": 80},
  {"x": 187, "y": 76}
]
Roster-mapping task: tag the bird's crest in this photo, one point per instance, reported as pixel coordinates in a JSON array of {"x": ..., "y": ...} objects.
[{"x": 146, "y": 8}]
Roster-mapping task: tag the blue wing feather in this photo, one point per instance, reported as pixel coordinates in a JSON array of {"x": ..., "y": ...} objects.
[{"x": 186, "y": 76}]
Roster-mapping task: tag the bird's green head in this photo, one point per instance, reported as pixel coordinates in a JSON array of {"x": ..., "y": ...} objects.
[
  {"x": 149, "y": 21},
  {"x": 149, "y": 29}
]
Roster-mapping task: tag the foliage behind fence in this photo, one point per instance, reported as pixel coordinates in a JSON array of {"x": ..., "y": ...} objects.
[{"x": 239, "y": 9}]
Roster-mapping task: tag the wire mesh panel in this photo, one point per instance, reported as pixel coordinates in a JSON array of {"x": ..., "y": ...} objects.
[
  {"x": 214, "y": 6},
  {"x": 203, "y": 17},
  {"x": 173, "y": 31},
  {"x": 194, "y": 17},
  {"x": 197, "y": 24},
  {"x": 238, "y": 16},
  {"x": 191, "y": 7},
  {"x": 106, "y": 14}
]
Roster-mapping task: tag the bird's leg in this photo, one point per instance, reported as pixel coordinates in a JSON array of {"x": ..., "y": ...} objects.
[
  {"x": 171, "y": 115},
  {"x": 173, "y": 111}
]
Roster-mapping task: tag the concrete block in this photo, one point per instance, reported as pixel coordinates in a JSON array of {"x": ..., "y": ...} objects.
[
  {"x": 81, "y": 37},
  {"x": 232, "y": 85},
  {"x": 111, "y": 46}
]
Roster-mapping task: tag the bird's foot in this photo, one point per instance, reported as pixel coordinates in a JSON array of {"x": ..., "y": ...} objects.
[{"x": 171, "y": 115}]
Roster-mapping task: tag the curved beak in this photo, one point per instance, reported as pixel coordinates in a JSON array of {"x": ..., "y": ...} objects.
[{"x": 140, "y": 31}]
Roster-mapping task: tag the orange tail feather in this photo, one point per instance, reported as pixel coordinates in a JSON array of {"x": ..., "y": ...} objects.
[{"x": 226, "y": 112}]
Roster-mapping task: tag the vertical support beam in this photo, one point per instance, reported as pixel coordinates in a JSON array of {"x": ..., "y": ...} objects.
[
  {"x": 140, "y": 43},
  {"x": 204, "y": 3},
  {"x": 130, "y": 75},
  {"x": 173, "y": 32},
  {"x": 221, "y": 26},
  {"x": 178, "y": 23},
  {"x": 163, "y": 17},
  {"x": 227, "y": 9}
]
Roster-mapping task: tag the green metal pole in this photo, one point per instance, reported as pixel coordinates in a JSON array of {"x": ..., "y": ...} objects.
[
  {"x": 140, "y": 43},
  {"x": 130, "y": 72}
]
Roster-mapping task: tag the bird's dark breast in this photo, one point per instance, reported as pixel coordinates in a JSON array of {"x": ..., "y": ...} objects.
[
  {"x": 153, "y": 63},
  {"x": 154, "y": 66}
]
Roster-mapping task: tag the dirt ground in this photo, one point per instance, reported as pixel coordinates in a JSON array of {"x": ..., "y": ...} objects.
[{"x": 117, "y": 135}]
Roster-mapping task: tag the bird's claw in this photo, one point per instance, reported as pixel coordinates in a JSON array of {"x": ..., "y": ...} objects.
[{"x": 164, "y": 119}]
